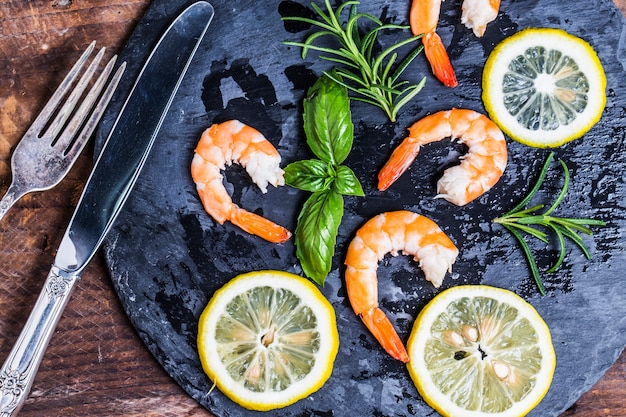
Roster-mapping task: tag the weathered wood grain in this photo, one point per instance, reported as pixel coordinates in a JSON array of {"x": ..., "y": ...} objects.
[{"x": 96, "y": 364}]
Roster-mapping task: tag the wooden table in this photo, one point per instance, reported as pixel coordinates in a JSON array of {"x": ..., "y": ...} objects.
[{"x": 96, "y": 365}]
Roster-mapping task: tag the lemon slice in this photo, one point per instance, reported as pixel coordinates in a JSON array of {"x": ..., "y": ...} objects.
[
  {"x": 477, "y": 350},
  {"x": 268, "y": 339},
  {"x": 544, "y": 87}
]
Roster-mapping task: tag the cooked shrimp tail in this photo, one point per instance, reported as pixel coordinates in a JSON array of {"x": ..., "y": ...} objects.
[
  {"x": 400, "y": 160},
  {"x": 424, "y": 18},
  {"x": 476, "y": 14},
  {"x": 392, "y": 233},
  {"x": 259, "y": 226},
  {"x": 381, "y": 328},
  {"x": 438, "y": 58}
]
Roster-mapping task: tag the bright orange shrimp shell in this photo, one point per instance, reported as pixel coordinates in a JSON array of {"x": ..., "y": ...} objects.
[{"x": 423, "y": 18}]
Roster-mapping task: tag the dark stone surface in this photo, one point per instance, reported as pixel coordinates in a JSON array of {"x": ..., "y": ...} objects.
[{"x": 167, "y": 256}]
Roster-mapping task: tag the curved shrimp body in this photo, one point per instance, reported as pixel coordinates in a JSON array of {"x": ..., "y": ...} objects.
[
  {"x": 423, "y": 19},
  {"x": 476, "y": 14},
  {"x": 393, "y": 232},
  {"x": 221, "y": 145},
  {"x": 481, "y": 167}
]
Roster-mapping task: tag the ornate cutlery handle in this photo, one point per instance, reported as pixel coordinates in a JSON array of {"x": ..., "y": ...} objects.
[{"x": 19, "y": 370}]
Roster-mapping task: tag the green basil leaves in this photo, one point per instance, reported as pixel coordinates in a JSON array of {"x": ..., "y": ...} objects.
[{"x": 329, "y": 133}]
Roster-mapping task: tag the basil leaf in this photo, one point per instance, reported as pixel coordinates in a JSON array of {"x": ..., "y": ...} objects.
[
  {"x": 347, "y": 183},
  {"x": 327, "y": 121},
  {"x": 308, "y": 175},
  {"x": 316, "y": 233}
]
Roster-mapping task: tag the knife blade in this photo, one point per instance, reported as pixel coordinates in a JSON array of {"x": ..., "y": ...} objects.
[{"x": 116, "y": 170}]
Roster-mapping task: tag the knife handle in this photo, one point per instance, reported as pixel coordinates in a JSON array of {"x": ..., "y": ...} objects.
[{"x": 18, "y": 371}]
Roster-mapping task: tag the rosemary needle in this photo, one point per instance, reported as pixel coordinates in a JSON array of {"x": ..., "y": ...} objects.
[{"x": 526, "y": 220}]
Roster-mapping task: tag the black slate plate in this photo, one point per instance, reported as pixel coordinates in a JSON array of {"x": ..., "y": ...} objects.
[{"x": 167, "y": 257}]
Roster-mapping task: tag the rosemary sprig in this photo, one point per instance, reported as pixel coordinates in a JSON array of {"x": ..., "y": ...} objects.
[
  {"x": 374, "y": 79},
  {"x": 520, "y": 219}
]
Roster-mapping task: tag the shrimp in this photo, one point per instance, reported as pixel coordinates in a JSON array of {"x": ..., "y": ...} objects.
[
  {"x": 476, "y": 14},
  {"x": 481, "y": 167},
  {"x": 393, "y": 232},
  {"x": 221, "y": 145},
  {"x": 423, "y": 19}
]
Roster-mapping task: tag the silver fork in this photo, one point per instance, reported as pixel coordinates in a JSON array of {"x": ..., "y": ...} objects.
[{"x": 53, "y": 142}]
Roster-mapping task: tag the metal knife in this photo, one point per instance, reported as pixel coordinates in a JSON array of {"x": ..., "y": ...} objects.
[{"x": 115, "y": 171}]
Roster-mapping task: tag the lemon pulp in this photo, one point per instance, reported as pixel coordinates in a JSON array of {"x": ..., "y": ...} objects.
[
  {"x": 268, "y": 339},
  {"x": 544, "y": 87},
  {"x": 481, "y": 351}
]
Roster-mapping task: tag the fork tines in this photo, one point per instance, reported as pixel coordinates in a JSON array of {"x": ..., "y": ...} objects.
[
  {"x": 54, "y": 124},
  {"x": 53, "y": 142}
]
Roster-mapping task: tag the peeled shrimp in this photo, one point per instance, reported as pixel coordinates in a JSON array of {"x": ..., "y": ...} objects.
[
  {"x": 481, "y": 167},
  {"x": 476, "y": 14},
  {"x": 221, "y": 145},
  {"x": 393, "y": 232}
]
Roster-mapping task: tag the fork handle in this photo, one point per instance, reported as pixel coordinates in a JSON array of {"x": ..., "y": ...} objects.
[
  {"x": 19, "y": 370},
  {"x": 14, "y": 193}
]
